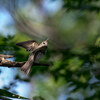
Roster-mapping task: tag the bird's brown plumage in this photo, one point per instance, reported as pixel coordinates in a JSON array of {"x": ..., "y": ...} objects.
[
  {"x": 28, "y": 45},
  {"x": 27, "y": 66},
  {"x": 37, "y": 52}
]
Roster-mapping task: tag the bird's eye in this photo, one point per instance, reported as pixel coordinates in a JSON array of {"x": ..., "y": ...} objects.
[{"x": 43, "y": 43}]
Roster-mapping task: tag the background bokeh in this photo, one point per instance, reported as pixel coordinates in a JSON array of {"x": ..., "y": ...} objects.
[{"x": 73, "y": 30}]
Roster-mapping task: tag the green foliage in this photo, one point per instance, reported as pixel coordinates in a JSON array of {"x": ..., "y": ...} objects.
[
  {"x": 72, "y": 64},
  {"x": 89, "y": 5},
  {"x": 37, "y": 98}
]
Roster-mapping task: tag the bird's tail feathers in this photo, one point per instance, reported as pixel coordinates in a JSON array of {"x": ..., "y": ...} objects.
[{"x": 27, "y": 66}]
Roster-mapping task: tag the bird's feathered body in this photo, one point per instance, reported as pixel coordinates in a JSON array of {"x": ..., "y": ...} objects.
[{"x": 38, "y": 51}]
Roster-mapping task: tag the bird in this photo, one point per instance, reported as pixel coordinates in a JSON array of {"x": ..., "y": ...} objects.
[{"x": 37, "y": 52}]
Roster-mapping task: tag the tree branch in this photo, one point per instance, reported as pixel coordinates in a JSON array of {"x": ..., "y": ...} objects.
[{"x": 7, "y": 63}]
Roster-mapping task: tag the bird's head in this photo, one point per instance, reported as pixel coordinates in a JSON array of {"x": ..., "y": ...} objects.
[
  {"x": 44, "y": 43},
  {"x": 42, "y": 46}
]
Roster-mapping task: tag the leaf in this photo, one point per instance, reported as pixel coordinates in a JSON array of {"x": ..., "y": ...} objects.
[
  {"x": 5, "y": 93},
  {"x": 37, "y": 98}
]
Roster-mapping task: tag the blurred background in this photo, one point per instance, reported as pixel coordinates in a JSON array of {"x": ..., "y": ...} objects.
[{"x": 73, "y": 29}]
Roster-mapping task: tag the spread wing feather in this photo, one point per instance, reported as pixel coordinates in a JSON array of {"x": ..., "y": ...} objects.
[{"x": 28, "y": 45}]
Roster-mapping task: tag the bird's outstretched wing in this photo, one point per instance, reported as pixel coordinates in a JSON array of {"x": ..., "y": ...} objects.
[{"x": 28, "y": 45}]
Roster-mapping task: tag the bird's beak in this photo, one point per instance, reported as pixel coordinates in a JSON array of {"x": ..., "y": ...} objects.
[{"x": 46, "y": 39}]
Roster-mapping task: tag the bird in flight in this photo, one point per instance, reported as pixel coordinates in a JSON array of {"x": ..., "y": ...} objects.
[{"x": 37, "y": 52}]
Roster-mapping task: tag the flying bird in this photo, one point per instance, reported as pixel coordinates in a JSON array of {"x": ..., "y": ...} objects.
[{"x": 37, "y": 52}]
